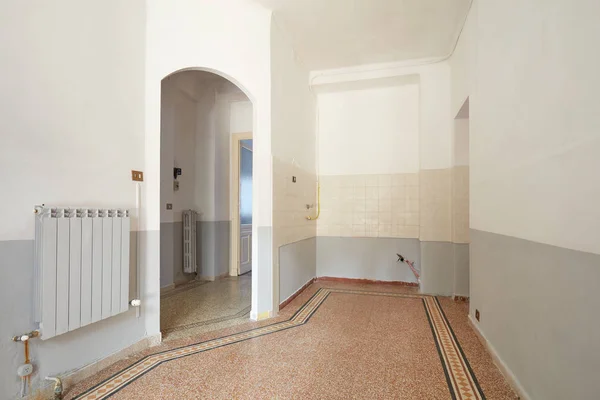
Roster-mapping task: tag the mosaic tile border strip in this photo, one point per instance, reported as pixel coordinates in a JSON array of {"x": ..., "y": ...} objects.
[
  {"x": 239, "y": 314},
  {"x": 460, "y": 378}
]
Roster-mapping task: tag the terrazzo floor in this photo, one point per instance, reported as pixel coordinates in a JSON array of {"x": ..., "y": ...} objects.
[
  {"x": 334, "y": 341},
  {"x": 199, "y": 306}
]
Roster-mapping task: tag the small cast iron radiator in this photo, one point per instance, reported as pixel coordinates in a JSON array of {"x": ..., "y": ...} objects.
[{"x": 189, "y": 241}]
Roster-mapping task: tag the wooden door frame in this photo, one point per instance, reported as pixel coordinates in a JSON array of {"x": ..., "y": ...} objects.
[{"x": 234, "y": 203}]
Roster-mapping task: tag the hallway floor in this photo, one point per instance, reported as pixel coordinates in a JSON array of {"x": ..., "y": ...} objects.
[
  {"x": 198, "y": 307},
  {"x": 334, "y": 341}
]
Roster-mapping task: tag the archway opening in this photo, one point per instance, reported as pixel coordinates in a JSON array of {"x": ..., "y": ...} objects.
[{"x": 206, "y": 159}]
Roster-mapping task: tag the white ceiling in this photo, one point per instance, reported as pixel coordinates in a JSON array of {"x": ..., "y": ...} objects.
[{"x": 341, "y": 33}]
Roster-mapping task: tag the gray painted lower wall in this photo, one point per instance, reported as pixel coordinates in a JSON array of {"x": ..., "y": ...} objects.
[
  {"x": 437, "y": 268},
  {"x": 297, "y": 265},
  {"x": 366, "y": 258},
  {"x": 263, "y": 276},
  {"x": 445, "y": 268},
  {"x": 539, "y": 306},
  {"x": 461, "y": 269},
  {"x": 74, "y": 349},
  {"x": 213, "y": 248},
  {"x": 212, "y": 245},
  {"x": 171, "y": 254},
  {"x": 167, "y": 249}
]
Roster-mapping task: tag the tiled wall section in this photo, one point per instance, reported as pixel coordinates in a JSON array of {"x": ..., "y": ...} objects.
[
  {"x": 289, "y": 203},
  {"x": 436, "y": 205},
  {"x": 369, "y": 206},
  {"x": 460, "y": 204}
]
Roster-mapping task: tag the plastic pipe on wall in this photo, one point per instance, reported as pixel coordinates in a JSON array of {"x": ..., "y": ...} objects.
[{"x": 310, "y": 218}]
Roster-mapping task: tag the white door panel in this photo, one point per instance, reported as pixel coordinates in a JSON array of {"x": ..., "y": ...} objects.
[{"x": 245, "y": 249}]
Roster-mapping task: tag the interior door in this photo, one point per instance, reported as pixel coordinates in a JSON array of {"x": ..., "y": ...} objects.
[{"x": 245, "y": 206}]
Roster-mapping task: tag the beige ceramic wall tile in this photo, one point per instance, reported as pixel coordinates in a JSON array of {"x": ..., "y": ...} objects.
[
  {"x": 435, "y": 206},
  {"x": 289, "y": 203},
  {"x": 369, "y": 205},
  {"x": 460, "y": 204}
]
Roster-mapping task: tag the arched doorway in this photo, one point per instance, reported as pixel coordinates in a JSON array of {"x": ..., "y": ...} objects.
[{"x": 206, "y": 121}]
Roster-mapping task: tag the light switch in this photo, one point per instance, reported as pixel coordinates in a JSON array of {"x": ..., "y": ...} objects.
[{"x": 137, "y": 176}]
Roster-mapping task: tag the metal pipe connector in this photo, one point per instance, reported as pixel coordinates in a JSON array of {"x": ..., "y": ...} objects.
[
  {"x": 58, "y": 387},
  {"x": 26, "y": 336}
]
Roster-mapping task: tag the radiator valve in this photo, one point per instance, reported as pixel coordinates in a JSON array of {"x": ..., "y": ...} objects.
[
  {"x": 25, "y": 337},
  {"x": 135, "y": 302}
]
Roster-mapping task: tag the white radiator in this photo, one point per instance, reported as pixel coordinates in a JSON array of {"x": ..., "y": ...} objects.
[
  {"x": 81, "y": 267},
  {"x": 189, "y": 241}
]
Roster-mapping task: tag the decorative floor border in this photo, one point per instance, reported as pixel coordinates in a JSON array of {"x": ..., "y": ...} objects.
[{"x": 460, "y": 378}]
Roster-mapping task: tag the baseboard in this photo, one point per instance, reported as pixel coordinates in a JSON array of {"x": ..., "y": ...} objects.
[
  {"x": 71, "y": 378},
  {"x": 356, "y": 280},
  {"x": 460, "y": 298},
  {"x": 212, "y": 278},
  {"x": 508, "y": 374},
  {"x": 296, "y": 293},
  {"x": 259, "y": 317},
  {"x": 223, "y": 275},
  {"x": 167, "y": 288}
]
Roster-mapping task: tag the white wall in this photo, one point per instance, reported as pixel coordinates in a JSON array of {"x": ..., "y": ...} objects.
[
  {"x": 72, "y": 112},
  {"x": 525, "y": 108},
  {"x": 460, "y": 144},
  {"x": 87, "y": 98},
  {"x": 178, "y": 140},
  {"x": 369, "y": 131},
  {"x": 241, "y": 117},
  {"x": 205, "y": 156},
  {"x": 293, "y": 104},
  {"x": 435, "y": 118}
]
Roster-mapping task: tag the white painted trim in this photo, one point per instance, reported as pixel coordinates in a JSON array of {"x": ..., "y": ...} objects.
[
  {"x": 71, "y": 378},
  {"x": 234, "y": 201},
  {"x": 508, "y": 374},
  {"x": 320, "y": 77}
]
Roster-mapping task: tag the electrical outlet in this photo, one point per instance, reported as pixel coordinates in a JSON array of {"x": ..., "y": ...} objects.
[
  {"x": 294, "y": 179},
  {"x": 137, "y": 176},
  {"x": 175, "y": 185},
  {"x": 169, "y": 206},
  {"x": 477, "y": 315}
]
